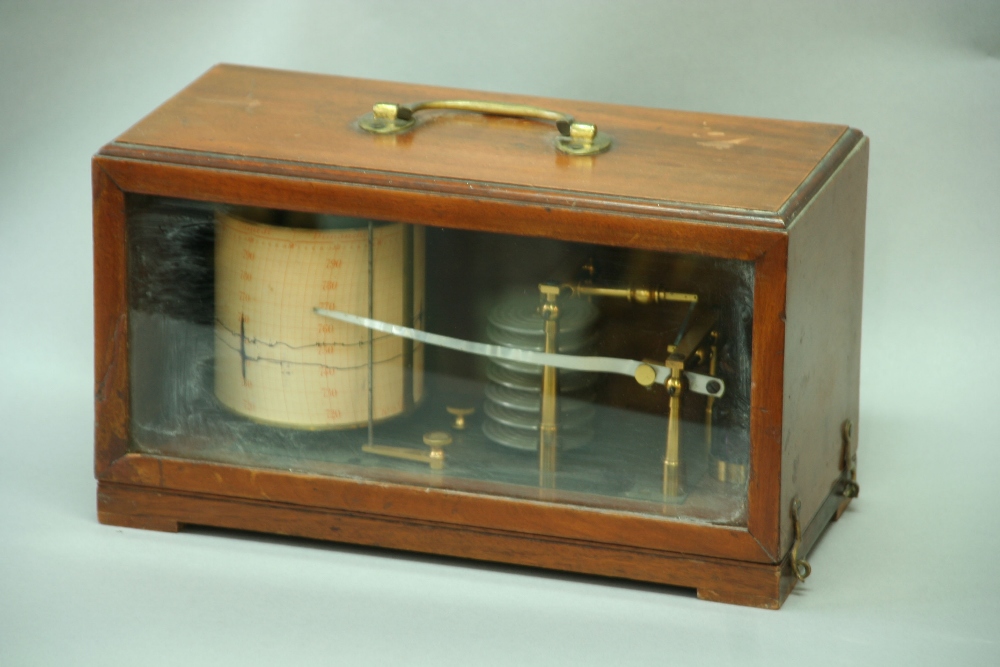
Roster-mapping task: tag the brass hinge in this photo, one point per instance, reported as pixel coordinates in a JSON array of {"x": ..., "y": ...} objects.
[
  {"x": 851, "y": 489},
  {"x": 800, "y": 566}
]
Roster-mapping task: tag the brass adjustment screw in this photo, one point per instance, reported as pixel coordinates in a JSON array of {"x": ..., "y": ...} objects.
[
  {"x": 437, "y": 441},
  {"x": 459, "y": 414}
]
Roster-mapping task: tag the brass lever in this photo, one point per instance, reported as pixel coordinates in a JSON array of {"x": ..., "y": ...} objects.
[
  {"x": 574, "y": 138},
  {"x": 436, "y": 440}
]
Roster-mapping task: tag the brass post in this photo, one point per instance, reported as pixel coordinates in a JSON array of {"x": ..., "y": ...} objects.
[
  {"x": 730, "y": 473},
  {"x": 672, "y": 460},
  {"x": 548, "y": 429},
  {"x": 710, "y": 403},
  {"x": 459, "y": 414}
]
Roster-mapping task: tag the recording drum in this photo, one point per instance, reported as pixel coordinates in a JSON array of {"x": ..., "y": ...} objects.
[{"x": 279, "y": 363}]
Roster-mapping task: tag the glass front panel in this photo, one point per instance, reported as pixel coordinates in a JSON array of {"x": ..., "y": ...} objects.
[{"x": 496, "y": 364}]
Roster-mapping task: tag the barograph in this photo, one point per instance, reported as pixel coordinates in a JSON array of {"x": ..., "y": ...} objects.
[{"x": 607, "y": 340}]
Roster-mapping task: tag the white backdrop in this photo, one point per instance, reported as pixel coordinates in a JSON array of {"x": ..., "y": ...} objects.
[{"x": 909, "y": 574}]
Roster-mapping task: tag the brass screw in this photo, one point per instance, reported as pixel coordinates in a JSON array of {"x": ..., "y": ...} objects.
[{"x": 460, "y": 414}]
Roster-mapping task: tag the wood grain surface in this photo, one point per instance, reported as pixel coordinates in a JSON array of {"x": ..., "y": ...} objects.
[
  {"x": 660, "y": 157},
  {"x": 111, "y": 388},
  {"x": 826, "y": 255}
]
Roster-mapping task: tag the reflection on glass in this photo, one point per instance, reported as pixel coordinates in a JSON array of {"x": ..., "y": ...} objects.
[{"x": 494, "y": 364}]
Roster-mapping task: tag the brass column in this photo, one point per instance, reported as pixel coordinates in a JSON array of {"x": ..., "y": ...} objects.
[
  {"x": 710, "y": 403},
  {"x": 548, "y": 428},
  {"x": 672, "y": 459}
]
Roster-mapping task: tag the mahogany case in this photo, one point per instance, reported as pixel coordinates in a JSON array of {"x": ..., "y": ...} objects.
[{"x": 766, "y": 216}]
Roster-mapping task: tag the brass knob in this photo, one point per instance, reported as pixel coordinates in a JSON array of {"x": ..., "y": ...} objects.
[
  {"x": 460, "y": 414},
  {"x": 437, "y": 440},
  {"x": 645, "y": 375}
]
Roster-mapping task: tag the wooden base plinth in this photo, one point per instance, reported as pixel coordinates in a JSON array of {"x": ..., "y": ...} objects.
[{"x": 720, "y": 580}]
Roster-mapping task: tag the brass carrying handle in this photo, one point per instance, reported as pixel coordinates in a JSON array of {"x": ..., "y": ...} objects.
[{"x": 574, "y": 138}]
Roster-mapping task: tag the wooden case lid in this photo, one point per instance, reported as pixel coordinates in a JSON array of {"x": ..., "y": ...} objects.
[{"x": 681, "y": 165}]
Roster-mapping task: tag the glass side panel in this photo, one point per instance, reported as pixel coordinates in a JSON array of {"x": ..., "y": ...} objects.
[{"x": 494, "y": 364}]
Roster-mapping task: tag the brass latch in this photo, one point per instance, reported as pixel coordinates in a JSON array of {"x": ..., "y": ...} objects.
[
  {"x": 800, "y": 566},
  {"x": 574, "y": 138},
  {"x": 851, "y": 489}
]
